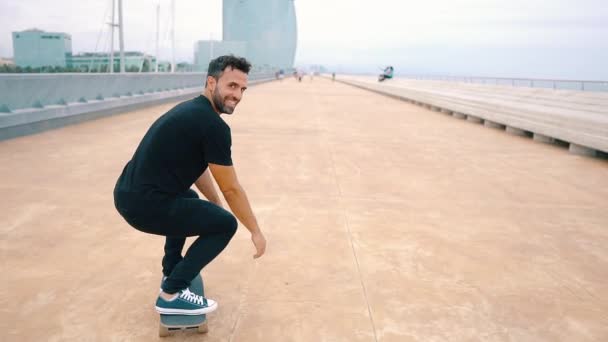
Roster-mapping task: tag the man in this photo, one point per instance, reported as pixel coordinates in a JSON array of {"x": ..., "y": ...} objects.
[
  {"x": 386, "y": 74},
  {"x": 153, "y": 192}
]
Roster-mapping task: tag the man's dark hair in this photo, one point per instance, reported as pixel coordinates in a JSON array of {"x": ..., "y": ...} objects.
[{"x": 218, "y": 65}]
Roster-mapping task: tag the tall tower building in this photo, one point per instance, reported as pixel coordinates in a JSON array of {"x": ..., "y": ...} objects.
[
  {"x": 267, "y": 27},
  {"x": 206, "y": 50}
]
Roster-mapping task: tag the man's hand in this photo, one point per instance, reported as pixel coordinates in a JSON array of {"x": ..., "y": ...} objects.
[
  {"x": 259, "y": 241},
  {"x": 225, "y": 177}
]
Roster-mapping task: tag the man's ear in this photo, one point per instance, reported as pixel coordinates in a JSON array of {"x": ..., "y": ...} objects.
[{"x": 211, "y": 83}]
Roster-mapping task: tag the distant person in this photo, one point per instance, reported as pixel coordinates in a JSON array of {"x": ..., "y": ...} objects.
[
  {"x": 184, "y": 147},
  {"x": 333, "y": 76},
  {"x": 386, "y": 74}
]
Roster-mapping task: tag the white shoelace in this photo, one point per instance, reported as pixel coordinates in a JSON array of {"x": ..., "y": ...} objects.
[{"x": 192, "y": 297}]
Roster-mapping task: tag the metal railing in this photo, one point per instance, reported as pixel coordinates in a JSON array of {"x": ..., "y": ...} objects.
[{"x": 581, "y": 85}]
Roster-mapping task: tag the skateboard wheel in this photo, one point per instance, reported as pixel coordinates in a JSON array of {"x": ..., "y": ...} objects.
[{"x": 203, "y": 328}]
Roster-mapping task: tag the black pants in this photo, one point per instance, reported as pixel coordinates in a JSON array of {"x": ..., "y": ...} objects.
[{"x": 177, "y": 218}]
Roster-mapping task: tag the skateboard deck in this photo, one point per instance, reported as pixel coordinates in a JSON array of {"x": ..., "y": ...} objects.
[{"x": 169, "y": 323}]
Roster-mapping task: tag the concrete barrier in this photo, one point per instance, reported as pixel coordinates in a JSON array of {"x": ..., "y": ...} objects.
[
  {"x": 576, "y": 117},
  {"x": 33, "y": 120},
  {"x": 20, "y": 91}
]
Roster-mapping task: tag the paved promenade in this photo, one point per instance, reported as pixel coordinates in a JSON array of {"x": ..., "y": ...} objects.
[{"x": 385, "y": 222}]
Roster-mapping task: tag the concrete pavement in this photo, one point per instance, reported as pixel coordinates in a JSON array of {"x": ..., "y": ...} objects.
[{"x": 385, "y": 222}]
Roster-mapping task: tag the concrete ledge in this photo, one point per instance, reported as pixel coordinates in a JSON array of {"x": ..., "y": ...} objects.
[
  {"x": 35, "y": 120},
  {"x": 570, "y": 116},
  {"x": 474, "y": 119},
  {"x": 582, "y": 150},
  {"x": 543, "y": 138},
  {"x": 493, "y": 124},
  {"x": 515, "y": 131},
  {"x": 458, "y": 115}
]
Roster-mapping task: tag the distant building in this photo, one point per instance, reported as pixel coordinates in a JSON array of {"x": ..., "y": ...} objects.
[
  {"x": 99, "y": 61},
  {"x": 36, "y": 48},
  {"x": 6, "y": 61},
  {"x": 263, "y": 31},
  {"x": 206, "y": 50},
  {"x": 164, "y": 66},
  {"x": 186, "y": 67},
  {"x": 267, "y": 26}
]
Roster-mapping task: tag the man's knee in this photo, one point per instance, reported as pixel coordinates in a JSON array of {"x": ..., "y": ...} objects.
[
  {"x": 231, "y": 225},
  {"x": 190, "y": 194}
]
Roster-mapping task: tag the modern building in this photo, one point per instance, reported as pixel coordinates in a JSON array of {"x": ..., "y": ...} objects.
[
  {"x": 263, "y": 31},
  {"x": 267, "y": 26},
  {"x": 206, "y": 50},
  {"x": 134, "y": 61},
  {"x": 36, "y": 48},
  {"x": 7, "y": 61}
]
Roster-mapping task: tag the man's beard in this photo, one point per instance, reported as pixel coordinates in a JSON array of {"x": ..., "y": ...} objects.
[{"x": 220, "y": 105}]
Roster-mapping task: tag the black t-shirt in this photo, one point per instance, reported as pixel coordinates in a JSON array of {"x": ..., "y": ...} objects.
[{"x": 177, "y": 149}]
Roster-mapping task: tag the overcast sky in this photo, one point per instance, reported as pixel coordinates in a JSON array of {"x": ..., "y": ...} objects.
[{"x": 516, "y": 38}]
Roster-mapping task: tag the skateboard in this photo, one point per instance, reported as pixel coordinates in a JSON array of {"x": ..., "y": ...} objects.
[{"x": 169, "y": 323}]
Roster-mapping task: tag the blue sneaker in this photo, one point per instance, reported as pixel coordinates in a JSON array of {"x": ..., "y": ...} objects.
[{"x": 185, "y": 303}]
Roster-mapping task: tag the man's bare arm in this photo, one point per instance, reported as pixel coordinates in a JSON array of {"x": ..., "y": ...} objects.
[
  {"x": 235, "y": 196},
  {"x": 205, "y": 186}
]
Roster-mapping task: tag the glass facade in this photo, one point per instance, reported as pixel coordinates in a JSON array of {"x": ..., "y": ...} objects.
[
  {"x": 206, "y": 50},
  {"x": 263, "y": 31},
  {"x": 100, "y": 61}
]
